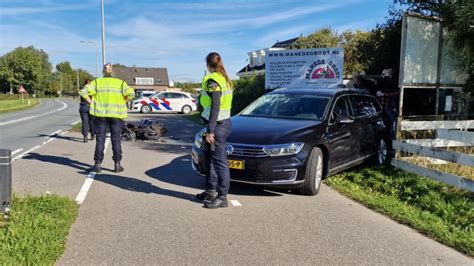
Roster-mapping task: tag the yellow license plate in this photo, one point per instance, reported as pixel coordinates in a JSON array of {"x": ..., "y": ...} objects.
[{"x": 235, "y": 164}]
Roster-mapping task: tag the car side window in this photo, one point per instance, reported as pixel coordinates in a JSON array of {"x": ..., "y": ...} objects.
[
  {"x": 363, "y": 105},
  {"x": 165, "y": 95},
  {"x": 375, "y": 104},
  {"x": 341, "y": 109}
]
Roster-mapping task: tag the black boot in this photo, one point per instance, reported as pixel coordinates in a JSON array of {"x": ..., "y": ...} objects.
[
  {"x": 219, "y": 202},
  {"x": 93, "y": 137},
  {"x": 118, "y": 168},
  {"x": 97, "y": 168},
  {"x": 85, "y": 139},
  {"x": 208, "y": 195}
]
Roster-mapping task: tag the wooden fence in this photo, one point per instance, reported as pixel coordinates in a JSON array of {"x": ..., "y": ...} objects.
[{"x": 448, "y": 134}]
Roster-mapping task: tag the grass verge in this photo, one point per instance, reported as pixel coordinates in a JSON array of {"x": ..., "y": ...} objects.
[
  {"x": 195, "y": 117},
  {"x": 433, "y": 208},
  {"x": 37, "y": 229},
  {"x": 77, "y": 127},
  {"x": 16, "y": 105}
]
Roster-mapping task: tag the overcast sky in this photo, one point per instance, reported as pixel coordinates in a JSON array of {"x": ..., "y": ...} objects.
[{"x": 174, "y": 34}]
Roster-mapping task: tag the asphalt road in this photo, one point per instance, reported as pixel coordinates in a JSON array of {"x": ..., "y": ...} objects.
[
  {"x": 23, "y": 130},
  {"x": 147, "y": 214}
]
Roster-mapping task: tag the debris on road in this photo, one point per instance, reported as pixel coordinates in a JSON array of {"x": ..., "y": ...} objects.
[{"x": 146, "y": 130}]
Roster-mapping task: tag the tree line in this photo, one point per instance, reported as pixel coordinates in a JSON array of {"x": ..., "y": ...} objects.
[
  {"x": 30, "y": 67},
  {"x": 375, "y": 50}
]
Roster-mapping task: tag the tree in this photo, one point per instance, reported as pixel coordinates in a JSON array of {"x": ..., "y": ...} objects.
[
  {"x": 188, "y": 86},
  {"x": 350, "y": 41},
  {"x": 322, "y": 38},
  {"x": 382, "y": 47},
  {"x": 25, "y": 66},
  {"x": 353, "y": 54},
  {"x": 458, "y": 18}
]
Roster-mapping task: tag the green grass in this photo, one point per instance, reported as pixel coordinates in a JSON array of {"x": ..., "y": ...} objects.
[
  {"x": 433, "y": 208},
  {"x": 77, "y": 127},
  {"x": 16, "y": 105},
  {"x": 36, "y": 231},
  {"x": 195, "y": 117}
]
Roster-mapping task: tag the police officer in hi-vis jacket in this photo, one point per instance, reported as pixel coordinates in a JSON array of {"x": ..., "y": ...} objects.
[
  {"x": 216, "y": 101},
  {"x": 107, "y": 97},
  {"x": 86, "y": 118}
]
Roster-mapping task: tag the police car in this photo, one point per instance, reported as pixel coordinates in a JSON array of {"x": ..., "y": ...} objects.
[{"x": 166, "y": 102}]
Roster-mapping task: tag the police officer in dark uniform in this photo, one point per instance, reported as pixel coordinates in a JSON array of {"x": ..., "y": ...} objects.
[
  {"x": 87, "y": 119},
  {"x": 216, "y": 101}
]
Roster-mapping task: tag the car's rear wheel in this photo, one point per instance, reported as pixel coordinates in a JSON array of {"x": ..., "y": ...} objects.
[
  {"x": 314, "y": 173},
  {"x": 382, "y": 152},
  {"x": 186, "y": 109},
  {"x": 145, "y": 109}
]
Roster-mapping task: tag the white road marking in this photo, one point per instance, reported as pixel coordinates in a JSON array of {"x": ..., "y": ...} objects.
[
  {"x": 55, "y": 132},
  {"x": 36, "y": 116},
  {"x": 26, "y": 152},
  {"x": 85, "y": 188},
  {"x": 77, "y": 122},
  {"x": 81, "y": 196},
  {"x": 17, "y": 151},
  {"x": 51, "y": 138},
  {"x": 236, "y": 203}
]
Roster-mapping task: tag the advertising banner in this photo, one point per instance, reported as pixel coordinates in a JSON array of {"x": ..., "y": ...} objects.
[{"x": 304, "y": 68}]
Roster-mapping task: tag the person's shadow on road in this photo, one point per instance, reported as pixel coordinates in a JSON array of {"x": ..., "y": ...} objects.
[
  {"x": 60, "y": 137},
  {"x": 137, "y": 185},
  {"x": 61, "y": 160},
  {"x": 179, "y": 172}
]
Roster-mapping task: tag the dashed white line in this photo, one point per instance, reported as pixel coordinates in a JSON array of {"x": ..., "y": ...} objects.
[
  {"x": 16, "y": 151},
  {"x": 55, "y": 132},
  {"x": 81, "y": 196},
  {"x": 85, "y": 188},
  {"x": 51, "y": 138},
  {"x": 236, "y": 203},
  {"x": 26, "y": 152},
  {"x": 77, "y": 122}
]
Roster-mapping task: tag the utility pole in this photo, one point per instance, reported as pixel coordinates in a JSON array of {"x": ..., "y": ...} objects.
[{"x": 103, "y": 33}]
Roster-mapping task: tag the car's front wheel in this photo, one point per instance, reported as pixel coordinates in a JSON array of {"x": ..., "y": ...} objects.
[
  {"x": 314, "y": 173},
  {"x": 145, "y": 109}
]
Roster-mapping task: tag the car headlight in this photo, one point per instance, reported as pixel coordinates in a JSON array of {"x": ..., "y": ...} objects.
[
  {"x": 198, "y": 138},
  {"x": 283, "y": 149}
]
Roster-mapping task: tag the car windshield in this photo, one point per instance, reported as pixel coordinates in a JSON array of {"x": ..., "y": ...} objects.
[{"x": 295, "y": 106}]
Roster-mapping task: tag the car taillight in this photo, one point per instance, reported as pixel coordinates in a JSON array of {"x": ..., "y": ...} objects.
[{"x": 194, "y": 101}]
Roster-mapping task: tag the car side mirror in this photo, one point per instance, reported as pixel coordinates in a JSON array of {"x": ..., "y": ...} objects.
[{"x": 344, "y": 120}]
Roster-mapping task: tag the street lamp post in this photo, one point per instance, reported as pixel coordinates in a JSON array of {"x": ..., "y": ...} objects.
[
  {"x": 96, "y": 56},
  {"x": 103, "y": 33}
]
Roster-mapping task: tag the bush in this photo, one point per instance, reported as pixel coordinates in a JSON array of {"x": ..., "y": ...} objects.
[
  {"x": 246, "y": 90},
  {"x": 11, "y": 96}
]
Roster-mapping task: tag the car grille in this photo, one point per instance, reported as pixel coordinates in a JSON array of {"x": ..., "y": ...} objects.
[
  {"x": 247, "y": 175},
  {"x": 252, "y": 151}
]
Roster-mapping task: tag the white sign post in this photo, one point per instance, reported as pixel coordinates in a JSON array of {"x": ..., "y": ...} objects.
[{"x": 304, "y": 68}]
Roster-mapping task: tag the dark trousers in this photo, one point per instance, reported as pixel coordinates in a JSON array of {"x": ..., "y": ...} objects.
[
  {"x": 115, "y": 125},
  {"x": 218, "y": 176},
  {"x": 87, "y": 120}
]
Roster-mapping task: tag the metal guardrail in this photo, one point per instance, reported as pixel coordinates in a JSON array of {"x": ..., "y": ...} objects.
[{"x": 446, "y": 137}]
